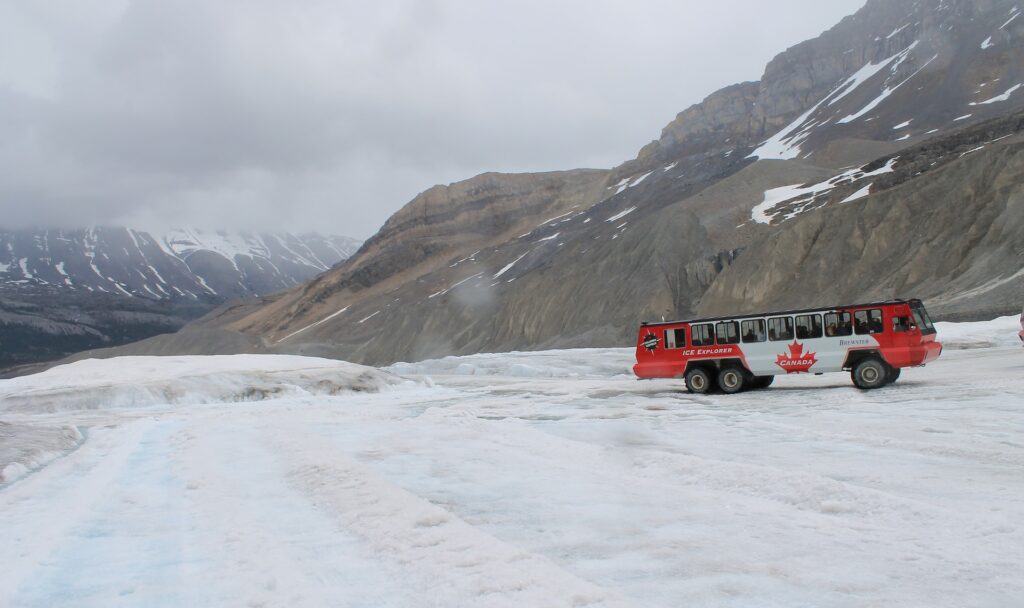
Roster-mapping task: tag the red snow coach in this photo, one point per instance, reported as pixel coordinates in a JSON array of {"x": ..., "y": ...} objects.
[{"x": 873, "y": 341}]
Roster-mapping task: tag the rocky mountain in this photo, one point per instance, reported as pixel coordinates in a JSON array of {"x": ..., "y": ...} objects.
[
  {"x": 882, "y": 159},
  {"x": 63, "y": 291},
  {"x": 182, "y": 263}
]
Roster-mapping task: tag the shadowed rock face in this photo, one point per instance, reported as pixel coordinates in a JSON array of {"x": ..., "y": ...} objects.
[
  {"x": 953, "y": 235},
  {"x": 880, "y": 159},
  {"x": 945, "y": 70},
  {"x": 44, "y": 322},
  {"x": 437, "y": 228}
]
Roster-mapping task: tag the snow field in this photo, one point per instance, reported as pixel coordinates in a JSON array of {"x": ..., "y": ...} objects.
[
  {"x": 980, "y": 334},
  {"x": 565, "y": 363},
  {"x": 540, "y": 479},
  {"x": 145, "y": 381}
]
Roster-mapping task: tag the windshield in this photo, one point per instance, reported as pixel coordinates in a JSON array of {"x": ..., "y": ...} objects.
[{"x": 924, "y": 322}]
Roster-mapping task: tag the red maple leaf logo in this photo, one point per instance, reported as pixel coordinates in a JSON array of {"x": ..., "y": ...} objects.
[{"x": 796, "y": 362}]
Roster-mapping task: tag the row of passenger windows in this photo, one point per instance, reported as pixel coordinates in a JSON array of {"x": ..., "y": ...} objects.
[{"x": 802, "y": 327}]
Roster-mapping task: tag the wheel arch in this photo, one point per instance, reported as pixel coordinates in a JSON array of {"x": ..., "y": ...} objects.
[{"x": 854, "y": 357}]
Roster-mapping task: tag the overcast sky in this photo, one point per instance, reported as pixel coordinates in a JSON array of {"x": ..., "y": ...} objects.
[{"x": 330, "y": 115}]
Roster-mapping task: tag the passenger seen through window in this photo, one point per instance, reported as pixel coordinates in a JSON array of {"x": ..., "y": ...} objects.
[
  {"x": 728, "y": 332},
  {"x": 868, "y": 321},
  {"x": 838, "y": 324},
  {"x": 753, "y": 331},
  {"x": 808, "y": 327},
  {"x": 901, "y": 323},
  {"x": 780, "y": 328},
  {"x": 702, "y": 335}
]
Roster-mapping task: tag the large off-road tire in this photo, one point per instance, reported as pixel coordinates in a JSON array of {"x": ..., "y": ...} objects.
[
  {"x": 870, "y": 373},
  {"x": 894, "y": 374},
  {"x": 731, "y": 380},
  {"x": 761, "y": 382},
  {"x": 699, "y": 381}
]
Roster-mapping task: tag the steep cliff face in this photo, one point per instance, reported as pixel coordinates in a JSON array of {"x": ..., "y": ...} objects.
[
  {"x": 946, "y": 225},
  {"x": 879, "y": 159},
  {"x": 895, "y": 70}
]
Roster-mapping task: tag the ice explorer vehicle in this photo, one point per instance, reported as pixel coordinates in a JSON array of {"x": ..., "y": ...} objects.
[{"x": 872, "y": 341}]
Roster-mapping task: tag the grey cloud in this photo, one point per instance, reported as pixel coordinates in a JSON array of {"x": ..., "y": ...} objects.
[{"x": 331, "y": 115}]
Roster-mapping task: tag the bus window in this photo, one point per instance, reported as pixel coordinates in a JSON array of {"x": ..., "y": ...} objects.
[
  {"x": 780, "y": 328},
  {"x": 868, "y": 321},
  {"x": 702, "y": 335},
  {"x": 808, "y": 327},
  {"x": 901, "y": 324},
  {"x": 675, "y": 338},
  {"x": 838, "y": 324},
  {"x": 753, "y": 331},
  {"x": 924, "y": 323},
  {"x": 728, "y": 332}
]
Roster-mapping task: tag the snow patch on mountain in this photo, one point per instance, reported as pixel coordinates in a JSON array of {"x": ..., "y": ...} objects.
[
  {"x": 1016, "y": 13},
  {"x": 509, "y": 266},
  {"x": 315, "y": 324},
  {"x": 184, "y": 242},
  {"x": 865, "y": 191},
  {"x": 368, "y": 317},
  {"x": 621, "y": 214},
  {"x": 785, "y": 144},
  {"x": 802, "y": 197},
  {"x": 774, "y": 196},
  {"x": 631, "y": 181},
  {"x": 463, "y": 281},
  {"x": 1005, "y": 96},
  {"x": 897, "y": 31},
  {"x": 887, "y": 91}
]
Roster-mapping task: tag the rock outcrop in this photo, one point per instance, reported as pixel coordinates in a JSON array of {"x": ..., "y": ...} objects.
[{"x": 946, "y": 225}]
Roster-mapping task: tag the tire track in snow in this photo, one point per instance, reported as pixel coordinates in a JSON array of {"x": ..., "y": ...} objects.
[
  {"x": 465, "y": 565},
  {"x": 272, "y": 545},
  {"x": 42, "y": 511},
  {"x": 130, "y": 544},
  {"x": 1013, "y": 459},
  {"x": 788, "y": 513}
]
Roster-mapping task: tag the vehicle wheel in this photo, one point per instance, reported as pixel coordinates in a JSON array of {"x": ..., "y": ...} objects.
[
  {"x": 698, "y": 381},
  {"x": 870, "y": 373},
  {"x": 731, "y": 380},
  {"x": 762, "y": 381},
  {"x": 894, "y": 374}
]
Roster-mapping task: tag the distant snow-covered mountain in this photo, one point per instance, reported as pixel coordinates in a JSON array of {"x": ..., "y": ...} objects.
[
  {"x": 186, "y": 262},
  {"x": 63, "y": 291}
]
